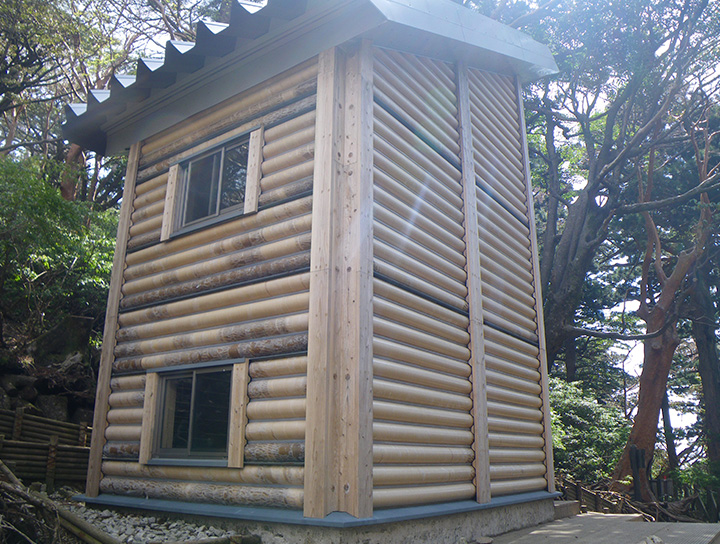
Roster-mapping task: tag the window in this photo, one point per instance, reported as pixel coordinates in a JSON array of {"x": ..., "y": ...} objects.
[
  {"x": 194, "y": 413},
  {"x": 214, "y": 183}
]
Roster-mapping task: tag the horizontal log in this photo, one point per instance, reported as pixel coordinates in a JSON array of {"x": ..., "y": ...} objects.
[
  {"x": 287, "y": 176},
  {"x": 417, "y": 122},
  {"x": 493, "y": 170},
  {"x": 410, "y": 247},
  {"x": 276, "y": 475},
  {"x": 290, "y": 157},
  {"x": 420, "y": 434},
  {"x": 454, "y": 288},
  {"x": 276, "y": 409},
  {"x": 404, "y": 454},
  {"x": 261, "y": 431},
  {"x": 487, "y": 96},
  {"x": 146, "y": 212},
  {"x": 238, "y": 313},
  {"x": 205, "y": 237},
  {"x": 404, "y": 316},
  {"x": 403, "y": 413},
  {"x": 502, "y": 440},
  {"x": 495, "y": 320},
  {"x": 142, "y": 240},
  {"x": 395, "y": 331},
  {"x": 390, "y": 272},
  {"x": 286, "y": 192},
  {"x": 409, "y": 174},
  {"x": 228, "y": 297},
  {"x": 144, "y": 227},
  {"x": 503, "y": 292},
  {"x": 492, "y": 141},
  {"x": 417, "y": 475},
  {"x": 143, "y": 189},
  {"x": 254, "y": 348},
  {"x": 205, "y": 493},
  {"x": 400, "y": 93},
  {"x": 388, "y": 497},
  {"x": 277, "y": 387},
  {"x": 181, "y": 263},
  {"x": 493, "y": 362},
  {"x": 513, "y": 487},
  {"x": 490, "y": 227},
  {"x": 408, "y": 300},
  {"x": 521, "y": 315},
  {"x": 121, "y": 450},
  {"x": 124, "y": 383},
  {"x": 286, "y": 366},
  {"x": 288, "y": 127},
  {"x": 502, "y": 409},
  {"x": 223, "y": 335},
  {"x": 407, "y": 227},
  {"x": 516, "y": 471},
  {"x": 508, "y": 425},
  {"x": 398, "y": 352},
  {"x": 123, "y": 433},
  {"x": 517, "y": 384},
  {"x": 443, "y": 70},
  {"x": 275, "y": 452},
  {"x": 283, "y": 264},
  {"x": 487, "y": 116},
  {"x": 126, "y": 399},
  {"x": 505, "y": 346},
  {"x": 521, "y": 269},
  {"x": 125, "y": 415},
  {"x": 418, "y": 376},
  {"x": 400, "y": 392},
  {"x": 420, "y": 83},
  {"x": 265, "y": 96},
  {"x": 514, "y": 397},
  {"x": 293, "y": 140},
  {"x": 152, "y": 196},
  {"x": 398, "y": 214}
]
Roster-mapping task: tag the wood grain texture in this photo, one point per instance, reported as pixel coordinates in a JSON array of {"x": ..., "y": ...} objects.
[
  {"x": 111, "y": 317},
  {"x": 168, "y": 221},
  {"x": 238, "y": 415},
  {"x": 149, "y": 417},
  {"x": 254, "y": 170}
]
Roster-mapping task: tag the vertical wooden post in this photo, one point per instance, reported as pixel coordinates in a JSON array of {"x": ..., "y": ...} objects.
[
  {"x": 549, "y": 464},
  {"x": 169, "y": 209},
  {"x": 51, "y": 464},
  {"x": 102, "y": 394},
  {"x": 149, "y": 417},
  {"x": 338, "y": 458},
  {"x": 481, "y": 464},
  {"x": 18, "y": 423},
  {"x": 254, "y": 170},
  {"x": 238, "y": 415}
]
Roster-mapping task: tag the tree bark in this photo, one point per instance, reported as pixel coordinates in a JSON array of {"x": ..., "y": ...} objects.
[
  {"x": 704, "y": 328},
  {"x": 669, "y": 434}
]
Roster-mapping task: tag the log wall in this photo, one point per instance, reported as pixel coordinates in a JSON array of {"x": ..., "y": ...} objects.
[
  {"x": 235, "y": 289},
  {"x": 510, "y": 322},
  {"x": 422, "y": 402}
]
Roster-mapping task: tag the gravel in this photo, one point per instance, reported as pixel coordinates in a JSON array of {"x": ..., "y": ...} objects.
[{"x": 138, "y": 529}]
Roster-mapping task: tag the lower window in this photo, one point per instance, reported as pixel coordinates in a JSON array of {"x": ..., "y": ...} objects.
[{"x": 194, "y": 414}]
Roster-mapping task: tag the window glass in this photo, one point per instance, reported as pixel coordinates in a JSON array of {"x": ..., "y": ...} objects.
[
  {"x": 232, "y": 191},
  {"x": 201, "y": 199},
  {"x": 211, "y": 411},
  {"x": 176, "y": 413}
]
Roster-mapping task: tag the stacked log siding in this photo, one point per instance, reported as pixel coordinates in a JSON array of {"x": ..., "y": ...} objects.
[
  {"x": 422, "y": 438},
  {"x": 235, "y": 289},
  {"x": 514, "y": 400}
]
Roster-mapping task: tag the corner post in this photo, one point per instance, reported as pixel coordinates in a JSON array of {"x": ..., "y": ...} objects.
[
  {"x": 338, "y": 441},
  {"x": 549, "y": 465},
  {"x": 481, "y": 464},
  {"x": 92, "y": 487}
]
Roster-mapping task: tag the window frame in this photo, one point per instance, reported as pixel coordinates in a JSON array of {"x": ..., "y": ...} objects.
[{"x": 154, "y": 410}]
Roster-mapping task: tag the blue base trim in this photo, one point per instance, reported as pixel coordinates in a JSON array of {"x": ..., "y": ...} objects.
[{"x": 295, "y": 517}]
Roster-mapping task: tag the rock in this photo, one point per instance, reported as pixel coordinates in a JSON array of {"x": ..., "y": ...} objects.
[
  {"x": 28, "y": 393},
  {"x": 14, "y": 383},
  {"x": 53, "y": 406},
  {"x": 70, "y": 336}
]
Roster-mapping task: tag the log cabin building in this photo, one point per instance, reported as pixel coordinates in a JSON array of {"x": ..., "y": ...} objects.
[{"x": 325, "y": 290}]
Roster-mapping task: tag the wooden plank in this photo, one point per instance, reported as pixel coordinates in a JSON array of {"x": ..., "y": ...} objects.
[
  {"x": 168, "y": 221},
  {"x": 238, "y": 415},
  {"x": 481, "y": 463},
  {"x": 111, "y": 316},
  {"x": 149, "y": 417},
  {"x": 545, "y": 395},
  {"x": 254, "y": 170}
]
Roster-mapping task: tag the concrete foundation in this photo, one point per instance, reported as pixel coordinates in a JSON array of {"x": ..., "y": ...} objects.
[{"x": 460, "y": 523}]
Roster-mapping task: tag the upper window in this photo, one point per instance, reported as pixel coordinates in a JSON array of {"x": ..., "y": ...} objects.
[{"x": 214, "y": 183}]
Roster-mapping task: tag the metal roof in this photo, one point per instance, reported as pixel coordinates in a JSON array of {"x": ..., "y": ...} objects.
[{"x": 227, "y": 59}]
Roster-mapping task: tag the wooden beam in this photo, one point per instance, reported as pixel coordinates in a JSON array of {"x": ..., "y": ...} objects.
[
  {"x": 339, "y": 411},
  {"x": 168, "y": 220},
  {"x": 545, "y": 395},
  {"x": 111, "y": 317},
  {"x": 238, "y": 415},
  {"x": 149, "y": 417},
  {"x": 481, "y": 463},
  {"x": 254, "y": 170}
]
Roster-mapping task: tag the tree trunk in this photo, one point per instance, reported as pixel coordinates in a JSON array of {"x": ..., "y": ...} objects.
[
  {"x": 73, "y": 162},
  {"x": 704, "y": 327},
  {"x": 658, "y": 353},
  {"x": 669, "y": 434}
]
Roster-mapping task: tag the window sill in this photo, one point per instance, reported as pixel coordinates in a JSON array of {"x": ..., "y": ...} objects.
[{"x": 189, "y": 462}]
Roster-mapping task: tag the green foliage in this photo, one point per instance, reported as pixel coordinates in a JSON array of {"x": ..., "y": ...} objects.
[
  {"x": 55, "y": 255},
  {"x": 588, "y": 436}
]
